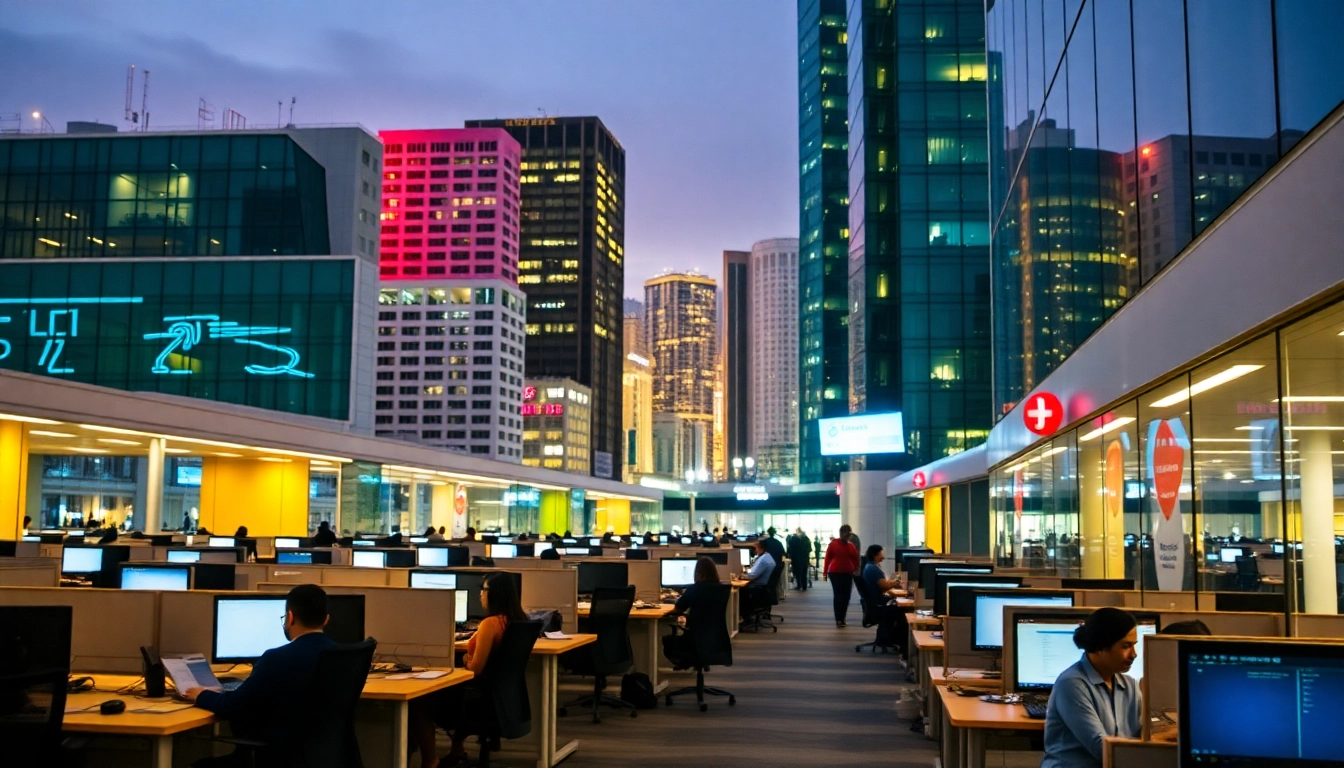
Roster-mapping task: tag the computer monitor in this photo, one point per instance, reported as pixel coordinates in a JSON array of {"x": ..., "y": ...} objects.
[
  {"x": 897, "y": 556},
  {"x": 946, "y": 579},
  {"x": 686, "y": 541},
  {"x": 910, "y": 562},
  {"x": 247, "y": 626},
  {"x": 489, "y": 538},
  {"x": 432, "y": 557},
  {"x": 595, "y": 541},
  {"x": 433, "y": 580},
  {"x": 183, "y": 556},
  {"x": 1260, "y": 704},
  {"x": 214, "y": 576},
  {"x": 987, "y": 622},
  {"x": 917, "y": 570},
  {"x": 31, "y": 538},
  {"x": 399, "y": 558},
  {"x": 961, "y": 599},
  {"x": 930, "y": 584},
  {"x": 719, "y": 558},
  {"x": 569, "y": 540},
  {"x": 1276, "y": 549},
  {"x": 460, "y": 606},
  {"x": 575, "y": 551},
  {"x": 637, "y": 540},
  {"x": 1253, "y": 602},
  {"x": 419, "y": 539},
  {"x": 615, "y": 575},
  {"x": 221, "y": 541},
  {"x": 541, "y": 546},
  {"x": 286, "y": 542},
  {"x": 744, "y": 556},
  {"x": 676, "y": 572},
  {"x": 294, "y": 558},
  {"x": 172, "y": 578},
  {"x": 368, "y": 559},
  {"x": 363, "y": 543},
  {"x": 471, "y": 582},
  {"x": 1230, "y": 554},
  {"x": 76, "y": 534},
  {"x": 662, "y": 538},
  {"x": 501, "y": 551},
  {"x": 81, "y": 560},
  {"x": 345, "y": 618},
  {"x": 637, "y": 554},
  {"x": 1122, "y": 584},
  {"x": 1043, "y": 648},
  {"x": 34, "y": 638}
]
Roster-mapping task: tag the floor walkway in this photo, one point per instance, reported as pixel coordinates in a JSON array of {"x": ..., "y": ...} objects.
[{"x": 804, "y": 698}]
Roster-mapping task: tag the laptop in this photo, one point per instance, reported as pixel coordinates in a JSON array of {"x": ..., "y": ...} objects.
[{"x": 194, "y": 672}]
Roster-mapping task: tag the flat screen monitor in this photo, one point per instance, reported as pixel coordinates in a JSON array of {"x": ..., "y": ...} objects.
[
  {"x": 432, "y": 557},
  {"x": 363, "y": 543},
  {"x": 1123, "y": 584},
  {"x": 460, "y": 606},
  {"x": 897, "y": 556},
  {"x": 502, "y": 551},
  {"x": 917, "y": 570},
  {"x": 910, "y": 563},
  {"x": 541, "y": 546},
  {"x": 1253, "y": 602},
  {"x": 294, "y": 558},
  {"x": 637, "y": 540},
  {"x": 930, "y": 584},
  {"x": 419, "y": 539},
  {"x": 676, "y": 572},
  {"x": 662, "y": 538},
  {"x": 636, "y": 554},
  {"x": 961, "y": 599},
  {"x": 576, "y": 551},
  {"x": 433, "y": 580},
  {"x": 32, "y": 538},
  {"x": 568, "y": 540},
  {"x": 505, "y": 539},
  {"x": 399, "y": 558},
  {"x": 34, "y": 638},
  {"x": 248, "y": 626},
  {"x": 216, "y": 576},
  {"x": 744, "y": 555},
  {"x": 368, "y": 559},
  {"x": 987, "y": 623},
  {"x": 76, "y": 534},
  {"x": 602, "y": 575},
  {"x": 686, "y": 541},
  {"x": 183, "y": 556},
  {"x": 1277, "y": 548},
  {"x": 1043, "y": 648},
  {"x": 81, "y": 560},
  {"x": 222, "y": 541},
  {"x": 174, "y": 579},
  {"x": 1230, "y": 554},
  {"x": 945, "y": 579},
  {"x": 287, "y": 543},
  {"x": 1298, "y": 695},
  {"x": 470, "y": 582},
  {"x": 595, "y": 541}
]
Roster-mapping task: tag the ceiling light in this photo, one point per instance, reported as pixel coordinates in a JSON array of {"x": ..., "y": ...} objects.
[
  {"x": 91, "y": 450},
  {"x": 1315, "y": 429},
  {"x": 176, "y": 450},
  {"x": 320, "y": 463},
  {"x": 1247, "y": 481},
  {"x": 1229, "y": 476},
  {"x": 115, "y": 430},
  {"x": 1235, "y": 372},
  {"x": 116, "y": 441},
  {"x": 45, "y": 433},
  {"x": 1249, "y": 429},
  {"x": 1314, "y": 399},
  {"x": 230, "y": 455},
  {"x": 26, "y": 419},
  {"x": 1106, "y": 428},
  {"x": 274, "y": 459}
]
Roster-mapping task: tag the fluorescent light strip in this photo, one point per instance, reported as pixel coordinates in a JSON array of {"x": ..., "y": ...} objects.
[
  {"x": 26, "y": 419},
  {"x": 176, "y": 450},
  {"x": 117, "y": 430},
  {"x": 1107, "y": 428},
  {"x": 90, "y": 450},
  {"x": 1235, "y": 372},
  {"x": 1313, "y": 399},
  {"x": 45, "y": 433},
  {"x": 116, "y": 441}
]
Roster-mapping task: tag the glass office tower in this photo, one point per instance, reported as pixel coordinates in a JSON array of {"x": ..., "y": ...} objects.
[
  {"x": 919, "y": 235},
  {"x": 1122, "y": 129},
  {"x": 823, "y": 137}
]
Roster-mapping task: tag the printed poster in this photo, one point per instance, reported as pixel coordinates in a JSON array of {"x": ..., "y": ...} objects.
[{"x": 1166, "y": 454}]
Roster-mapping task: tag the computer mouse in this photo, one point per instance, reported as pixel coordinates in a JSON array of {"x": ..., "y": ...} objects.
[{"x": 112, "y": 707}]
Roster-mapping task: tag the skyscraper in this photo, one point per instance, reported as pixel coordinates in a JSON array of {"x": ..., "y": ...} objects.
[
  {"x": 572, "y": 263},
  {"x": 823, "y": 141},
  {"x": 682, "y": 337},
  {"x": 774, "y": 358},
  {"x": 637, "y": 401},
  {"x": 736, "y": 351}
]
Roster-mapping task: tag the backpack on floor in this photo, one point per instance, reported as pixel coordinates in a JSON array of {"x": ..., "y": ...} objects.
[{"x": 637, "y": 690}]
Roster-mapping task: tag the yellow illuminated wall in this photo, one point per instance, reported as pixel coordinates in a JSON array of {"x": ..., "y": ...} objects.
[
  {"x": 554, "y": 516},
  {"x": 13, "y": 478},
  {"x": 270, "y": 498},
  {"x": 613, "y": 513},
  {"x": 933, "y": 518}
]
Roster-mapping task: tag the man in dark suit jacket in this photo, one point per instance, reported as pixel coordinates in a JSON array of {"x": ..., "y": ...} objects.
[
  {"x": 258, "y": 707},
  {"x": 775, "y": 547}
]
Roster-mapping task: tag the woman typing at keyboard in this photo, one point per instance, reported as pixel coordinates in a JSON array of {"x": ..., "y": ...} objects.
[
  {"x": 447, "y": 708},
  {"x": 1094, "y": 698}
]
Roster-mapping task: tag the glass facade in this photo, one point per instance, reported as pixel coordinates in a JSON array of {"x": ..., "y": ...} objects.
[
  {"x": 919, "y": 237},
  {"x": 1224, "y": 478},
  {"x": 1120, "y": 130},
  {"x": 273, "y": 334},
  {"x": 169, "y": 196},
  {"x": 823, "y": 140}
]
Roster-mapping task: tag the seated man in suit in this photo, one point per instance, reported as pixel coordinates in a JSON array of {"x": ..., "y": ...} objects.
[
  {"x": 756, "y": 593},
  {"x": 258, "y": 707}
]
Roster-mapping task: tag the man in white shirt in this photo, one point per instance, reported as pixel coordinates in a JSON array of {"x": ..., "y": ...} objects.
[{"x": 758, "y": 576}]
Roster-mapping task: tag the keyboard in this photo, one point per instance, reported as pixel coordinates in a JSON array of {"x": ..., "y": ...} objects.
[
  {"x": 229, "y": 683},
  {"x": 1036, "y": 706},
  {"x": 464, "y": 635}
]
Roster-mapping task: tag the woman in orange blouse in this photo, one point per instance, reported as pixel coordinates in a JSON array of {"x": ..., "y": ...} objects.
[{"x": 446, "y": 708}]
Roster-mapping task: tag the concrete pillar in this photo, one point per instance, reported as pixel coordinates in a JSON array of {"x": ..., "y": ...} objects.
[
  {"x": 864, "y": 507},
  {"x": 1318, "y": 522},
  {"x": 150, "y": 518}
]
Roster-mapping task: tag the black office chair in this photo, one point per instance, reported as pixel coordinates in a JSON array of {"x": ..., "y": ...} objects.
[
  {"x": 32, "y": 707},
  {"x": 874, "y": 616},
  {"x": 1248, "y": 574},
  {"x": 711, "y": 646},
  {"x": 502, "y": 709},
  {"x": 762, "y": 599},
  {"x": 611, "y": 655}
]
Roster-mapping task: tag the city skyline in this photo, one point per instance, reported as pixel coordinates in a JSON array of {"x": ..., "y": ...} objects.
[{"x": 733, "y": 175}]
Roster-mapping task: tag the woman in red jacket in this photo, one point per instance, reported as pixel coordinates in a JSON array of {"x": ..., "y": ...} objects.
[{"x": 842, "y": 562}]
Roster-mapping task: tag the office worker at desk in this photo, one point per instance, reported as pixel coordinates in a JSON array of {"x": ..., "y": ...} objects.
[
  {"x": 256, "y": 707},
  {"x": 756, "y": 593},
  {"x": 697, "y": 601},
  {"x": 325, "y": 537},
  {"x": 1094, "y": 698}
]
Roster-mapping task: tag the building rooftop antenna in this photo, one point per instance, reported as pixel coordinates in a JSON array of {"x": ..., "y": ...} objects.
[{"x": 131, "y": 116}]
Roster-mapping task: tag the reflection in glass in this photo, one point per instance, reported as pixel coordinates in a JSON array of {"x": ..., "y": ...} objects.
[{"x": 1168, "y": 554}]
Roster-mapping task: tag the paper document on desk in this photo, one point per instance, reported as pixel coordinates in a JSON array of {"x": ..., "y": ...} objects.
[
  {"x": 189, "y": 672},
  {"x": 556, "y": 636}
]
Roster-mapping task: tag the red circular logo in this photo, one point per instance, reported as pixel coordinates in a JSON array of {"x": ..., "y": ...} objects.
[
  {"x": 1043, "y": 413},
  {"x": 919, "y": 480}
]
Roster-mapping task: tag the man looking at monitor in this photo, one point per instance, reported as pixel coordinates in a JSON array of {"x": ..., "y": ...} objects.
[
  {"x": 758, "y": 577},
  {"x": 257, "y": 707}
]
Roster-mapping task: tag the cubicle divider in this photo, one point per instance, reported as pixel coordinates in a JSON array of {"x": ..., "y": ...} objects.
[
  {"x": 958, "y": 646},
  {"x": 187, "y": 621},
  {"x": 109, "y": 626},
  {"x": 529, "y": 564},
  {"x": 30, "y": 572},
  {"x": 553, "y": 590},
  {"x": 1319, "y": 625},
  {"x": 249, "y": 576},
  {"x": 646, "y": 575}
]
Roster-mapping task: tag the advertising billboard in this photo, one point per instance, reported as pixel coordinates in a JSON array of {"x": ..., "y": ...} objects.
[{"x": 869, "y": 433}]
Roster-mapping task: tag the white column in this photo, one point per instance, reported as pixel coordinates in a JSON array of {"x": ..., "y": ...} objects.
[
  {"x": 865, "y": 508},
  {"x": 1318, "y": 522},
  {"x": 151, "y": 517},
  {"x": 414, "y": 528}
]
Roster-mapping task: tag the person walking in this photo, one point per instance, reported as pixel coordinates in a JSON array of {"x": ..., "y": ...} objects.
[
  {"x": 799, "y": 551},
  {"x": 842, "y": 562}
]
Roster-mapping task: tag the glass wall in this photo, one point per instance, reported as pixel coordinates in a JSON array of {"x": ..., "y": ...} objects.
[
  {"x": 1221, "y": 479},
  {"x": 1121, "y": 129}
]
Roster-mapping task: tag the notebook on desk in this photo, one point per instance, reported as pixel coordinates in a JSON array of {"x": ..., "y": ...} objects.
[{"x": 194, "y": 672}]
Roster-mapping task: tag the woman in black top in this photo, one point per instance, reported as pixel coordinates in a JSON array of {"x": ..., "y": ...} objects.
[{"x": 693, "y": 603}]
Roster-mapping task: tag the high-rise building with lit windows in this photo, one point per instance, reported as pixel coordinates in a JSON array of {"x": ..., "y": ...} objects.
[
  {"x": 572, "y": 263},
  {"x": 681, "y": 333},
  {"x": 772, "y": 383},
  {"x": 557, "y": 425}
]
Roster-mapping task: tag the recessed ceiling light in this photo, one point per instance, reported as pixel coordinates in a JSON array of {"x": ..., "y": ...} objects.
[
  {"x": 116, "y": 441},
  {"x": 91, "y": 450},
  {"x": 115, "y": 430},
  {"x": 45, "y": 433},
  {"x": 275, "y": 459},
  {"x": 176, "y": 450},
  {"x": 26, "y": 419},
  {"x": 230, "y": 455},
  {"x": 1204, "y": 385}
]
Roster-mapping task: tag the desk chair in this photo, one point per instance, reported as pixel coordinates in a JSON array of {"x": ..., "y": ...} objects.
[
  {"x": 1248, "y": 574},
  {"x": 873, "y": 616},
  {"x": 762, "y": 599},
  {"x": 503, "y": 710},
  {"x": 711, "y": 646},
  {"x": 32, "y": 707},
  {"x": 612, "y": 654}
]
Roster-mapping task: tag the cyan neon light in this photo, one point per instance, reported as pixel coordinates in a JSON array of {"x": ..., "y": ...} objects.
[
  {"x": 80, "y": 300},
  {"x": 186, "y": 331},
  {"x": 287, "y": 368},
  {"x": 4, "y": 345}
]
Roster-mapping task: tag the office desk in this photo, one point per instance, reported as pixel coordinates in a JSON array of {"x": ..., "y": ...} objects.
[
  {"x": 966, "y": 678},
  {"x": 1132, "y": 753},
  {"x": 384, "y": 733},
  {"x": 644, "y": 640},
  {"x": 543, "y": 691},
  {"x": 928, "y": 652},
  {"x": 968, "y": 720},
  {"x": 734, "y": 615}
]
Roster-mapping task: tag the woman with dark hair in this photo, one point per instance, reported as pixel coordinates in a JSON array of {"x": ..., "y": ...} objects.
[
  {"x": 839, "y": 567},
  {"x": 696, "y": 601},
  {"x": 1094, "y": 698}
]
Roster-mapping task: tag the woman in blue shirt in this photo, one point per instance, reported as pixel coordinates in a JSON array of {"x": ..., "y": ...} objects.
[{"x": 1094, "y": 698}]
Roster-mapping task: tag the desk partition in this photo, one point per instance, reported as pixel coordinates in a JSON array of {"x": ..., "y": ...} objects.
[
  {"x": 959, "y": 646},
  {"x": 30, "y": 572},
  {"x": 1317, "y": 625},
  {"x": 187, "y": 621},
  {"x": 109, "y": 626},
  {"x": 647, "y": 576},
  {"x": 553, "y": 590}
]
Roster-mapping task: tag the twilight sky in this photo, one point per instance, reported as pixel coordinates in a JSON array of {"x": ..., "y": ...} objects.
[{"x": 701, "y": 93}]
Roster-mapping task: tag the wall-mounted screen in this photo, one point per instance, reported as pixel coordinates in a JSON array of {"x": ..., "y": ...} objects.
[{"x": 869, "y": 433}]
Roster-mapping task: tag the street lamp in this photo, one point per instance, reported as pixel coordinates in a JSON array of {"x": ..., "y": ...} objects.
[{"x": 737, "y": 467}]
